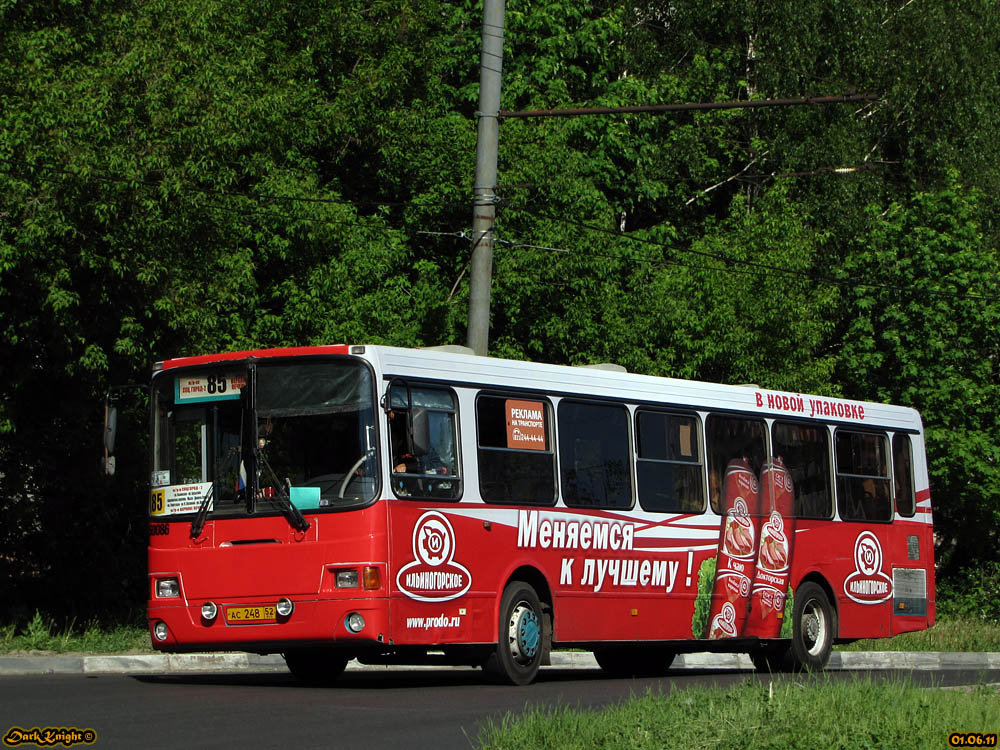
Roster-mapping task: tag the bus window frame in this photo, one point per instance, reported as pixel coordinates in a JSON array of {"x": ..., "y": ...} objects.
[
  {"x": 831, "y": 479},
  {"x": 728, "y": 414},
  {"x": 699, "y": 441},
  {"x": 628, "y": 409},
  {"x": 552, "y": 449},
  {"x": 410, "y": 385},
  {"x": 892, "y": 459},
  {"x": 887, "y": 450}
]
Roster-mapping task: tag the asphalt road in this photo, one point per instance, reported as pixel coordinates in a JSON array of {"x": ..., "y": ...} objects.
[{"x": 400, "y": 709}]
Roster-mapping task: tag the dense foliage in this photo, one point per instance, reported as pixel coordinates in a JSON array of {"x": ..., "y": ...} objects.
[{"x": 199, "y": 175}]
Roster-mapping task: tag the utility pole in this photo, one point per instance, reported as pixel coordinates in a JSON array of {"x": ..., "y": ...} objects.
[
  {"x": 484, "y": 191},
  {"x": 488, "y": 137}
]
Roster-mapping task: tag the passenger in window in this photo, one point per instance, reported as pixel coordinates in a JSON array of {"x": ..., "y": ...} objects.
[
  {"x": 438, "y": 460},
  {"x": 406, "y": 464},
  {"x": 403, "y": 462},
  {"x": 397, "y": 438}
]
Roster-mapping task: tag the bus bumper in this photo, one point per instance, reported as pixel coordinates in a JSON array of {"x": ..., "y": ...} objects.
[{"x": 253, "y": 626}]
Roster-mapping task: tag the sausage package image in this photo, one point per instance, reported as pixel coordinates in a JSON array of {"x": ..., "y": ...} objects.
[
  {"x": 774, "y": 556},
  {"x": 736, "y": 560}
]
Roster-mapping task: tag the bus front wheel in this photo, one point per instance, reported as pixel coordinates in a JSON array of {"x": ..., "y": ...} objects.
[
  {"x": 521, "y": 640},
  {"x": 813, "y": 626}
]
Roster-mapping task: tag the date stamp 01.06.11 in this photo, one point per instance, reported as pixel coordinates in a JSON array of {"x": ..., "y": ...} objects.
[{"x": 972, "y": 739}]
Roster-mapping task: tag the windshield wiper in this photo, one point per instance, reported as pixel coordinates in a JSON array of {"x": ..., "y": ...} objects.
[
  {"x": 199, "y": 518},
  {"x": 292, "y": 513}
]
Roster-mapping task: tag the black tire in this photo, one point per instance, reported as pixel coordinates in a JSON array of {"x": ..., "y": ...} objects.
[
  {"x": 316, "y": 666},
  {"x": 772, "y": 659},
  {"x": 634, "y": 661},
  {"x": 521, "y": 636},
  {"x": 814, "y": 626}
]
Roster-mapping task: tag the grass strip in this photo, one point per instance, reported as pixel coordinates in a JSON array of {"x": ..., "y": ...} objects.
[
  {"x": 953, "y": 634},
  {"x": 40, "y": 634},
  {"x": 857, "y": 714}
]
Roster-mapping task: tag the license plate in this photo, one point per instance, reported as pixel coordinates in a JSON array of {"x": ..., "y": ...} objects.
[{"x": 249, "y": 615}]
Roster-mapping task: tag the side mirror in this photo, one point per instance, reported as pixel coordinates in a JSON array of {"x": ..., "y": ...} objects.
[
  {"x": 111, "y": 424},
  {"x": 110, "y": 430},
  {"x": 110, "y": 427}
]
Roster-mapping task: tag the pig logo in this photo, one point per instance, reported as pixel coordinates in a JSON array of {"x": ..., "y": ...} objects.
[
  {"x": 868, "y": 584},
  {"x": 435, "y": 541},
  {"x": 433, "y": 575}
]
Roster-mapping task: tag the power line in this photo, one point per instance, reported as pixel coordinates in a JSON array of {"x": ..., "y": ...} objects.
[
  {"x": 691, "y": 106},
  {"x": 739, "y": 177},
  {"x": 731, "y": 265}
]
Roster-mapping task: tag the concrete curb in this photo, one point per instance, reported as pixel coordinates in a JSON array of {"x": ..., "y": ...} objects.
[{"x": 242, "y": 662}]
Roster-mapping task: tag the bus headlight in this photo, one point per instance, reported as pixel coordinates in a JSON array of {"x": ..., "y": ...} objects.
[
  {"x": 209, "y": 610},
  {"x": 160, "y": 631},
  {"x": 284, "y": 607},
  {"x": 347, "y": 579},
  {"x": 167, "y": 588},
  {"x": 355, "y": 622}
]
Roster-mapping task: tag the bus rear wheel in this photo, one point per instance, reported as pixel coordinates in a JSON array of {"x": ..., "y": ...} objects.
[
  {"x": 813, "y": 628},
  {"x": 316, "y": 666},
  {"x": 634, "y": 661},
  {"x": 521, "y": 640}
]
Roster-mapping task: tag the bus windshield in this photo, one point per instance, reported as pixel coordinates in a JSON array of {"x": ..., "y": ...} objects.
[{"x": 257, "y": 437}]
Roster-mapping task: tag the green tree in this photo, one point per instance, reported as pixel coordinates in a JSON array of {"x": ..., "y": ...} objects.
[
  {"x": 183, "y": 177},
  {"x": 188, "y": 177},
  {"x": 920, "y": 329}
]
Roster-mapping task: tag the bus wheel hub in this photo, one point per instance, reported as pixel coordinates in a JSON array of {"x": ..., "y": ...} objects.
[{"x": 525, "y": 633}]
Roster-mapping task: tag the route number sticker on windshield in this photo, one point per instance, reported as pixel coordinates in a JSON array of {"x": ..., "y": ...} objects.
[
  {"x": 193, "y": 389},
  {"x": 178, "y": 498}
]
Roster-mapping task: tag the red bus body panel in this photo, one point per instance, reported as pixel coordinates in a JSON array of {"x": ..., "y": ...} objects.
[
  {"x": 606, "y": 576},
  {"x": 246, "y": 562}
]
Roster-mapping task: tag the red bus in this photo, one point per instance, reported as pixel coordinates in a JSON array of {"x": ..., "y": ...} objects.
[{"x": 429, "y": 506}]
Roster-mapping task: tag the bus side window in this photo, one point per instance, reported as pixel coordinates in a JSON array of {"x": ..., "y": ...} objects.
[
  {"x": 862, "y": 477},
  {"x": 902, "y": 470},
  {"x": 805, "y": 450},
  {"x": 516, "y": 460},
  {"x": 669, "y": 472},
  {"x": 594, "y": 455},
  {"x": 423, "y": 438},
  {"x": 730, "y": 438}
]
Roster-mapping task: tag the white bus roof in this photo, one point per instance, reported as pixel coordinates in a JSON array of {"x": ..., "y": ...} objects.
[{"x": 498, "y": 374}]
